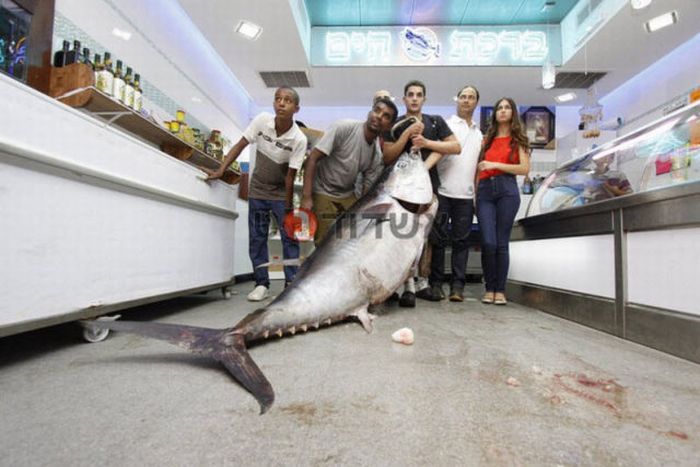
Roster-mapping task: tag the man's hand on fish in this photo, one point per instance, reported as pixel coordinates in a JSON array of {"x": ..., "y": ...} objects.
[{"x": 307, "y": 203}]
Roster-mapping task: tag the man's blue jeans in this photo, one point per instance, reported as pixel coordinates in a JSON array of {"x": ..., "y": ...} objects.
[
  {"x": 497, "y": 203},
  {"x": 459, "y": 213},
  {"x": 258, "y": 227}
]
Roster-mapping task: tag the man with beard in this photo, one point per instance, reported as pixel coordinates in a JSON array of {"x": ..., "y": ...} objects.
[{"x": 347, "y": 149}]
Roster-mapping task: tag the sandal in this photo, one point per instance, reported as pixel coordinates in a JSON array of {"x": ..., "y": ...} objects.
[
  {"x": 488, "y": 298},
  {"x": 500, "y": 299}
]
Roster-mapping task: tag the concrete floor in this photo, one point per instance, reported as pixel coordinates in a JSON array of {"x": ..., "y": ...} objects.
[{"x": 482, "y": 385}]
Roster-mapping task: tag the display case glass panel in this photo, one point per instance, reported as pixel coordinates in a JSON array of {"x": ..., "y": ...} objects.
[
  {"x": 664, "y": 153},
  {"x": 14, "y": 32}
]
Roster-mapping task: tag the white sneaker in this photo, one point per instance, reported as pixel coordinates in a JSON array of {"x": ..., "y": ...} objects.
[{"x": 258, "y": 294}]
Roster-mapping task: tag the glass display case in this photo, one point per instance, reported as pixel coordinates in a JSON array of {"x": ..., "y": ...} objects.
[
  {"x": 661, "y": 154},
  {"x": 14, "y": 32}
]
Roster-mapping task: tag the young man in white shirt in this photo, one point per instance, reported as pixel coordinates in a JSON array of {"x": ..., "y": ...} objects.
[
  {"x": 434, "y": 138},
  {"x": 456, "y": 198},
  {"x": 280, "y": 150}
]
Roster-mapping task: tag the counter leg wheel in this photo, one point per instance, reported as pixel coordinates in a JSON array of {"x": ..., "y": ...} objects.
[
  {"x": 226, "y": 292},
  {"x": 98, "y": 335}
]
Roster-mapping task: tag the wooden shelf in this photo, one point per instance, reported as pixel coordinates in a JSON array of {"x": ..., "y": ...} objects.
[{"x": 126, "y": 118}]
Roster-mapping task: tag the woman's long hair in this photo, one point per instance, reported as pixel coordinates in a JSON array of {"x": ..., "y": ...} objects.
[{"x": 518, "y": 137}]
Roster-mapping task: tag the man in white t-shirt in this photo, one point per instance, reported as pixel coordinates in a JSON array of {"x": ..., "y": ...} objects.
[
  {"x": 456, "y": 198},
  {"x": 280, "y": 149},
  {"x": 348, "y": 148}
]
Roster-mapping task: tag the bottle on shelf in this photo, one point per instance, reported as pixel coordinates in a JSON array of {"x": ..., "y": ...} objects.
[
  {"x": 527, "y": 185},
  {"x": 59, "y": 58},
  {"x": 108, "y": 75},
  {"x": 118, "y": 87},
  {"x": 86, "y": 57},
  {"x": 138, "y": 93},
  {"x": 99, "y": 73},
  {"x": 75, "y": 55},
  {"x": 128, "y": 88}
]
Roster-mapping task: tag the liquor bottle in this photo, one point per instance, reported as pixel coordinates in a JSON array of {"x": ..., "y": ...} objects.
[
  {"x": 527, "y": 185},
  {"x": 99, "y": 73},
  {"x": 108, "y": 75},
  {"x": 74, "y": 56},
  {"x": 128, "y": 88},
  {"x": 138, "y": 93},
  {"x": 118, "y": 88},
  {"x": 59, "y": 58},
  {"x": 86, "y": 57}
]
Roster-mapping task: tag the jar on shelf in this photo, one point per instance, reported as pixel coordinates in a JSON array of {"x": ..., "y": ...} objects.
[{"x": 214, "y": 146}]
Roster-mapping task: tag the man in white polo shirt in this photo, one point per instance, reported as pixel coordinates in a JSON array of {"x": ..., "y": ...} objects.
[
  {"x": 456, "y": 198},
  {"x": 280, "y": 149}
]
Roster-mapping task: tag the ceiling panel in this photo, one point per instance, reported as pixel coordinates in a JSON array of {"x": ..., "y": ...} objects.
[
  {"x": 384, "y": 12},
  {"x": 434, "y": 12}
]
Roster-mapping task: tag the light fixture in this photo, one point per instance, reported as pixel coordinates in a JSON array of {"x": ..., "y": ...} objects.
[
  {"x": 126, "y": 35},
  {"x": 639, "y": 4},
  {"x": 549, "y": 75},
  {"x": 548, "y": 5},
  {"x": 248, "y": 30},
  {"x": 661, "y": 21},
  {"x": 196, "y": 99},
  {"x": 569, "y": 96}
]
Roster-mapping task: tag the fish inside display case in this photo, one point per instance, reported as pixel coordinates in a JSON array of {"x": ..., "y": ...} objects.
[
  {"x": 14, "y": 32},
  {"x": 661, "y": 154}
]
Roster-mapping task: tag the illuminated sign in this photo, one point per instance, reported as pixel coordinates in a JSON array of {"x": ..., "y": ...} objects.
[{"x": 435, "y": 46}]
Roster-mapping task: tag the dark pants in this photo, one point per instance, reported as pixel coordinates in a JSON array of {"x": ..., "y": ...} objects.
[
  {"x": 457, "y": 213},
  {"x": 497, "y": 203},
  {"x": 258, "y": 226}
]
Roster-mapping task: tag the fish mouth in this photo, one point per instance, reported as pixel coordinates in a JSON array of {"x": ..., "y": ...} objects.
[{"x": 413, "y": 207}]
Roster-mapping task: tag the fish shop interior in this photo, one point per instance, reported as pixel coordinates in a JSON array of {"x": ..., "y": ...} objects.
[{"x": 350, "y": 232}]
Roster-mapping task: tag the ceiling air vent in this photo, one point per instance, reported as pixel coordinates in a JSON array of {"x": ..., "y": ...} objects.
[
  {"x": 576, "y": 80},
  {"x": 275, "y": 79}
]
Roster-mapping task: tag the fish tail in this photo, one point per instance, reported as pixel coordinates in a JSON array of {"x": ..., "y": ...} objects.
[{"x": 223, "y": 345}]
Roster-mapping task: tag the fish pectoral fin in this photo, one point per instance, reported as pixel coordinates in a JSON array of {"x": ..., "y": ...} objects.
[
  {"x": 366, "y": 318},
  {"x": 239, "y": 363},
  {"x": 283, "y": 262}
]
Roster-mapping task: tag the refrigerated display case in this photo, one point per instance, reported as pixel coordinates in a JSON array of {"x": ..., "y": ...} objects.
[
  {"x": 666, "y": 153},
  {"x": 611, "y": 238}
]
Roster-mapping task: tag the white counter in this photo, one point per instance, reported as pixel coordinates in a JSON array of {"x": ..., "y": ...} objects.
[{"x": 92, "y": 219}]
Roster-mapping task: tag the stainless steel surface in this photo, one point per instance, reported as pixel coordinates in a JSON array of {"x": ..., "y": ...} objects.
[
  {"x": 673, "y": 206},
  {"x": 665, "y": 330},
  {"x": 620, "y": 272},
  {"x": 590, "y": 310}
]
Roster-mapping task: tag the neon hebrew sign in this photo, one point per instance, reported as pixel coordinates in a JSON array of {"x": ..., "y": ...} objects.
[{"x": 435, "y": 46}]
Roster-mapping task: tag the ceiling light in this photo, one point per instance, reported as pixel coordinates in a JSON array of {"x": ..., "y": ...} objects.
[
  {"x": 548, "y": 5},
  {"x": 549, "y": 75},
  {"x": 569, "y": 96},
  {"x": 126, "y": 35},
  {"x": 196, "y": 99},
  {"x": 248, "y": 30},
  {"x": 639, "y": 4},
  {"x": 662, "y": 21}
]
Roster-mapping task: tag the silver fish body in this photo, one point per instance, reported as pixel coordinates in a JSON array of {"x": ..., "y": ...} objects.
[{"x": 368, "y": 253}]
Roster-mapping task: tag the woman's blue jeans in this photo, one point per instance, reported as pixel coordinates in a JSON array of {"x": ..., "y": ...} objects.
[{"x": 497, "y": 203}]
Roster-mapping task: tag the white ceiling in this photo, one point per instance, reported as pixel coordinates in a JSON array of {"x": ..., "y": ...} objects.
[{"x": 622, "y": 48}]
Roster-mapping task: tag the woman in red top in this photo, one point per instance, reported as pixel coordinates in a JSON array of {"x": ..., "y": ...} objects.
[{"x": 505, "y": 154}]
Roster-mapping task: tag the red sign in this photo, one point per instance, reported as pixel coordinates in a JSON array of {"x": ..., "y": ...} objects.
[{"x": 300, "y": 225}]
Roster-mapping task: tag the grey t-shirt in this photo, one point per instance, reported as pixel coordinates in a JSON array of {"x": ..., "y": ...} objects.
[{"x": 347, "y": 155}]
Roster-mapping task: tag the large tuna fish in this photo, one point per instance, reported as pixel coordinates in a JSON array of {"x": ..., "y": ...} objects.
[{"x": 367, "y": 255}]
